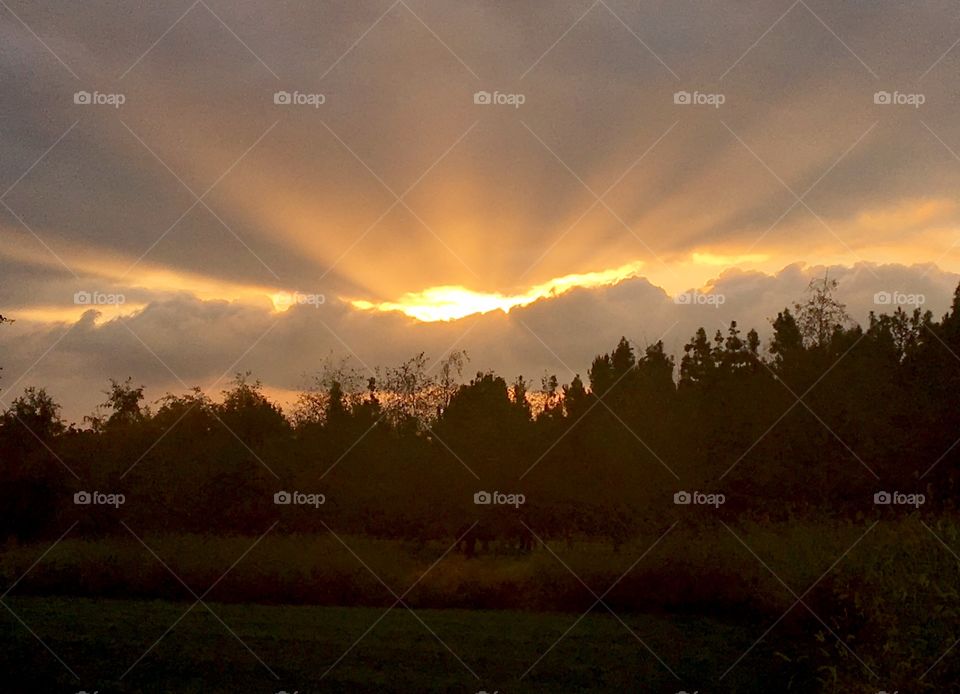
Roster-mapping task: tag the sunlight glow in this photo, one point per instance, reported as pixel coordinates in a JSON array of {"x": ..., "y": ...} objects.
[
  {"x": 728, "y": 260},
  {"x": 71, "y": 314},
  {"x": 446, "y": 303}
]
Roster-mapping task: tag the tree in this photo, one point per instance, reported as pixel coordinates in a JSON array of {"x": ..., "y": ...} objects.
[
  {"x": 518, "y": 395},
  {"x": 611, "y": 370},
  {"x": 484, "y": 425},
  {"x": 248, "y": 413},
  {"x": 575, "y": 399},
  {"x": 369, "y": 412},
  {"x": 312, "y": 402},
  {"x": 451, "y": 371},
  {"x": 485, "y": 398},
  {"x": 899, "y": 334},
  {"x": 549, "y": 395},
  {"x": 336, "y": 411},
  {"x": 409, "y": 388},
  {"x": 36, "y": 411},
  {"x": 191, "y": 413},
  {"x": 739, "y": 355},
  {"x": 699, "y": 360},
  {"x": 30, "y": 480},
  {"x": 655, "y": 372},
  {"x": 821, "y": 315},
  {"x": 413, "y": 396},
  {"x": 124, "y": 400},
  {"x": 787, "y": 339}
]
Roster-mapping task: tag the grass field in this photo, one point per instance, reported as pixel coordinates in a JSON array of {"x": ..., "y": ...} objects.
[
  {"x": 880, "y": 614},
  {"x": 101, "y": 639}
]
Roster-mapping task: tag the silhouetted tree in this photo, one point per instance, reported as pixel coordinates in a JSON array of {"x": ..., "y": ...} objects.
[
  {"x": 37, "y": 413},
  {"x": 248, "y": 414},
  {"x": 698, "y": 365},
  {"x": 124, "y": 400},
  {"x": 821, "y": 315},
  {"x": 787, "y": 340}
]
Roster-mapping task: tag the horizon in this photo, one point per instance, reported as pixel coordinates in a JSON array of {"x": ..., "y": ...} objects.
[{"x": 536, "y": 331}]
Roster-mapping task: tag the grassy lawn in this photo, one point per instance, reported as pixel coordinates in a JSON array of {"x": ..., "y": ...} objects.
[
  {"x": 101, "y": 639},
  {"x": 299, "y": 602}
]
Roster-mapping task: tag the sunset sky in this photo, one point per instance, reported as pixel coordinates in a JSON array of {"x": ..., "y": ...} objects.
[{"x": 420, "y": 216}]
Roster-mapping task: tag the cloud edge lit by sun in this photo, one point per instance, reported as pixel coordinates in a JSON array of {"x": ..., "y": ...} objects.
[{"x": 452, "y": 302}]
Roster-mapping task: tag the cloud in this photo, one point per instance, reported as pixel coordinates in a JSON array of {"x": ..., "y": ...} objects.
[
  {"x": 176, "y": 343},
  {"x": 498, "y": 196},
  {"x": 400, "y": 182}
]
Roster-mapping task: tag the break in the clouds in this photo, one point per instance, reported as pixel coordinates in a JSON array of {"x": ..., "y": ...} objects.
[{"x": 207, "y": 160}]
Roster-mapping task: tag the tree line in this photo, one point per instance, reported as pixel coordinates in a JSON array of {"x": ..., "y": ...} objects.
[{"x": 812, "y": 423}]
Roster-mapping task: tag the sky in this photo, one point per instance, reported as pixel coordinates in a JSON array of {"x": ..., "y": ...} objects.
[{"x": 190, "y": 189}]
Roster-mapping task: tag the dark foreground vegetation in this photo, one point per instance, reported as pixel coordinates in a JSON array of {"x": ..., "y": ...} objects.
[
  {"x": 829, "y": 414},
  {"x": 200, "y": 656},
  {"x": 792, "y": 577}
]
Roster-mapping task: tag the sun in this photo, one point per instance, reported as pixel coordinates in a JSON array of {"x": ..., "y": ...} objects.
[{"x": 452, "y": 302}]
